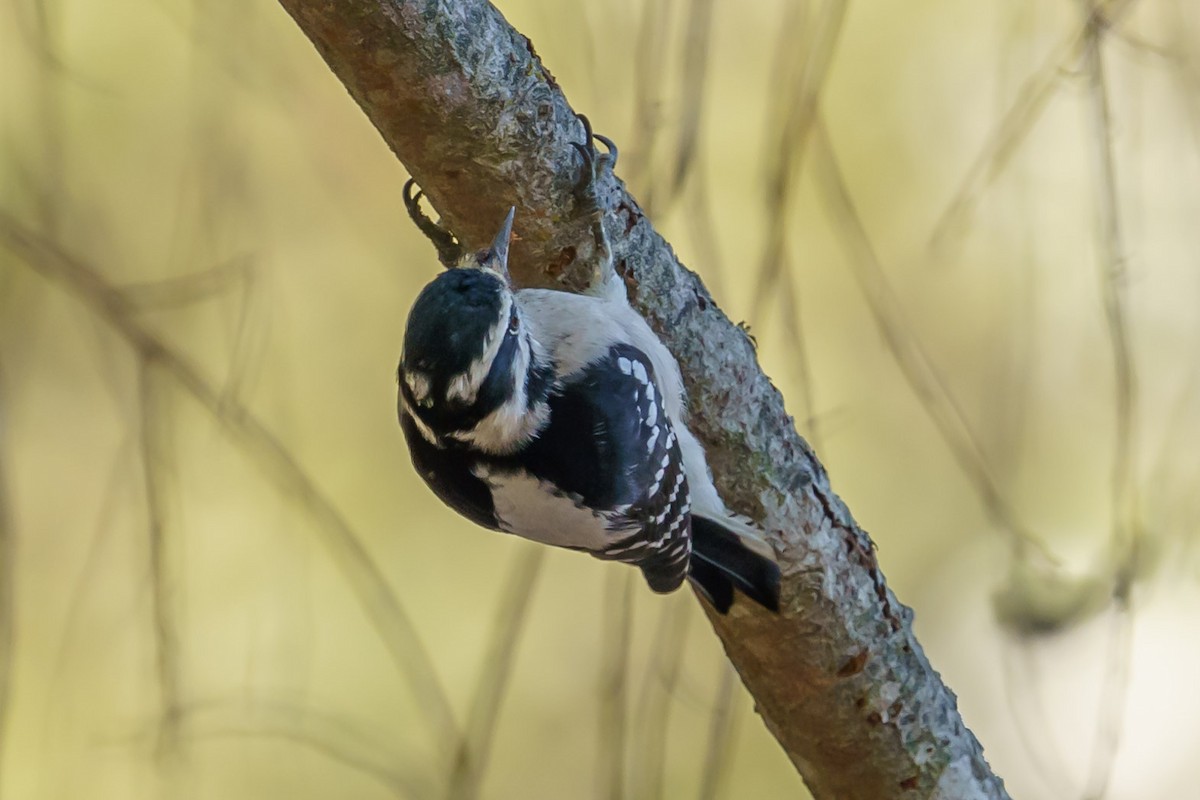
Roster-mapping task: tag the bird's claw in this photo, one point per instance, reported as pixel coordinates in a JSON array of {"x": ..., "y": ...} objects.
[
  {"x": 449, "y": 249},
  {"x": 593, "y": 163},
  {"x": 587, "y": 196}
]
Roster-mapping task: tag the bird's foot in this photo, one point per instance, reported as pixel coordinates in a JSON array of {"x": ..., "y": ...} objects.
[
  {"x": 449, "y": 250},
  {"x": 587, "y": 196}
]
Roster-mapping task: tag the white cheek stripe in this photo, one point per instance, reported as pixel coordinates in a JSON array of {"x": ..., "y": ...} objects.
[
  {"x": 513, "y": 423},
  {"x": 460, "y": 389},
  {"x": 466, "y": 386},
  {"x": 418, "y": 384},
  {"x": 426, "y": 433}
]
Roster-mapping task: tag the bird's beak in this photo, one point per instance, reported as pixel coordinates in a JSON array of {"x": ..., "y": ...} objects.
[{"x": 499, "y": 249}]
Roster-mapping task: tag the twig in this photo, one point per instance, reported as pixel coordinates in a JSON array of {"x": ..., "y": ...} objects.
[
  {"x": 915, "y": 365},
  {"x": 793, "y": 127},
  {"x": 381, "y": 605},
  {"x": 187, "y": 289},
  {"x": 722, "y": 733},
  {"x": 470, "y": 759},
  {"x": 166, "y": 636},
  {"x": 657, "y": 695},
  {"x": 1010, "y": 133},
  {"x": 1114, "y": 693},
  {"x": 697, "y": 43},
  {"x": 8, "y": 572},
  {"x": 334, "y": 737},
  {"x": 648, "y": 70},
  {"x": 614, "y": 683}
]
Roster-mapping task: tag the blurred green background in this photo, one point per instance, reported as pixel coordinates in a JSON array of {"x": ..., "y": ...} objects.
[{"x": 967, "y": 249}]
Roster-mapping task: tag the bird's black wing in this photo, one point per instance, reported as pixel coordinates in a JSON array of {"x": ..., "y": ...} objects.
[{"x": 609, "y": 442}]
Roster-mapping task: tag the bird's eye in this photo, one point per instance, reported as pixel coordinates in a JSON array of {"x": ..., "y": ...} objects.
[{"x": 514, "y": 324}]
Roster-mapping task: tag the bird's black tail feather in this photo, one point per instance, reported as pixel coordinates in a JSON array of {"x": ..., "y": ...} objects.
[{"x": 720, "y": 561}]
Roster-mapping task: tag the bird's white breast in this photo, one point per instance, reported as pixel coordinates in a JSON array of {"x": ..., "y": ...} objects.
[{"x": 531, "y": 508}]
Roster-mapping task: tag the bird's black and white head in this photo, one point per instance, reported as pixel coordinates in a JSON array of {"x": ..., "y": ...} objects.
[{"x": 469, "y": 371}]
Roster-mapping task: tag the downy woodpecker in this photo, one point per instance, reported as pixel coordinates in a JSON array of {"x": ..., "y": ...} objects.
[{"x": 559, "y": 417}]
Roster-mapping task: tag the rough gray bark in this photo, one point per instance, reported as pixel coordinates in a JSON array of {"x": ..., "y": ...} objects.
[{"x": 839, "y": 678}]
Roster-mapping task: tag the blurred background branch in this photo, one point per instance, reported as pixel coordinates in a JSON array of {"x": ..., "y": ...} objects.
[{"x": 981, "y": 302}]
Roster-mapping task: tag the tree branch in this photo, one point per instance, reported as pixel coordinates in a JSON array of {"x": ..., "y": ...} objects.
[{"x": 467, "y": 106}]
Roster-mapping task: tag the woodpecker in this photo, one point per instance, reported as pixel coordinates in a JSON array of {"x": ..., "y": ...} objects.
[{"x": 560, "y": 417}]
